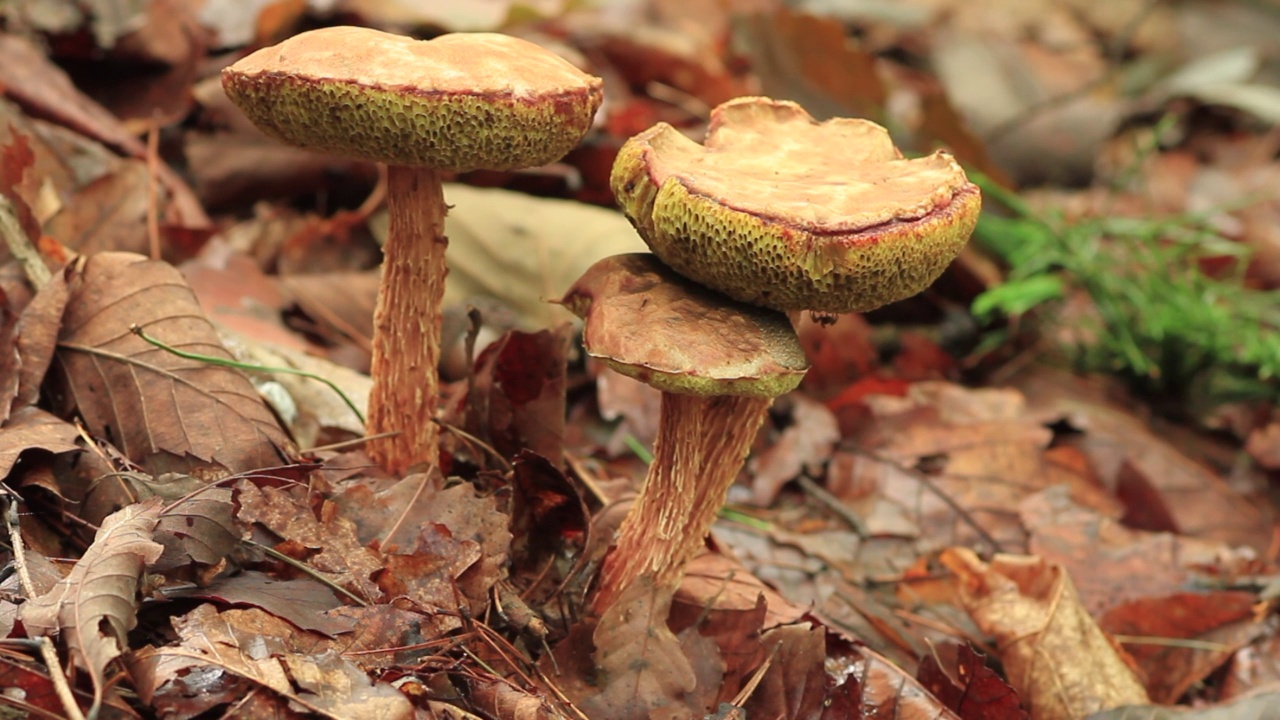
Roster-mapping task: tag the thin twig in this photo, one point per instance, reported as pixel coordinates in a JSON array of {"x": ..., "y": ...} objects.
[
  {"x": 938, "y": 492},
  {"x": 59, "y": 680},
  {"x": 305, "y": 568},
  {"x": 835, "y": 505},
  {"x": 454, "y": 429},
  {"x": 56, "y": 674}
]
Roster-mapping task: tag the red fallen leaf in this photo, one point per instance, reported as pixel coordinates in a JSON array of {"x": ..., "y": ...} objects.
[
  {"x": 1224, "y": 619},
  {"x": 871, "y": 385},
  {"x": 920, "y": 358},
  {"x": 838, "y": 354},
  {"x": 964, "y": 683},
  {"x": 548, "y": 512},
  {"x": 518, "y": 396}
]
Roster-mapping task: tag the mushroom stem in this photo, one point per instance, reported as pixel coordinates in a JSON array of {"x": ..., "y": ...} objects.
[
  {"x": 701, "y": 445},
  {"x": 406, "y": 323}
]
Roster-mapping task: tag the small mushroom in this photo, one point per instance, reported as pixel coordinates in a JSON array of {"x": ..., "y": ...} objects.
[
  {"x": 719, "y": 364},
  {"x": 779, "y": 210},
  {"x": 456, "y": 103}
]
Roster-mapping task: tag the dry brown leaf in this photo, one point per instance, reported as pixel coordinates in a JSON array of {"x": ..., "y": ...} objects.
[
  {"x": 303, "y": 601},
  {"x": 329, "y": 545},
  {"x": 32, "y": 428},
  {"x": 166, "y": 413},
  {"x": 1162, "y": 488},
  {"x": 990, "y": 451},
  {"x": 809, "y": 59},
  {"x": 269, "y": 653},
  {"x": 197, "y": 526},
  {"x": 645, "y": 672},
  {"x": 524, "y": 250},
  {"x": 198, "y": 529},
  {"x": 804, "y": 446},
  {"x": 1217, "y": 623},
  {"x": 498, "y": 698},
  {"x": 1112, "y": 564},
  {"x": 36, "y": 336},
  {"x": 41, "y": 87},
  {"x": 1057, "y": 658},
  {"x": 795, "y": 685},
  {"x": 96, "y": 606}
]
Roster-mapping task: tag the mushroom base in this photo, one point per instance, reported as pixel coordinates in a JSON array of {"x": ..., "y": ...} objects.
[
  {"x": 406, "y": 322},
  {"x": 701, "y": 445}
]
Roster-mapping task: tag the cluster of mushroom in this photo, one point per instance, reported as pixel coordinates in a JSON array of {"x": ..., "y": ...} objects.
[{"x": 774, "y": 213}]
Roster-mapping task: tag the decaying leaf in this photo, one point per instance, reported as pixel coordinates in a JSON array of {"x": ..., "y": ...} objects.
[
  {"x": 329, "y": 544},
  {"x": 524, "y": 250},
  {"x": 35, "y": 338},
  {"x": 96, "y": 606},
  {"x": 643, "y": 670},
  {"x": 966, "y": 685},
  {"x": 303, "y": 601},
  {"x": 517, "y": 398},
  {"x": 197, "y": 525},
  {"x": 166, "y": 413},
  {"x": 32, "y": 428},
  {"x": 216, "y": 648},
  {"x": 1054, "y": 654}
]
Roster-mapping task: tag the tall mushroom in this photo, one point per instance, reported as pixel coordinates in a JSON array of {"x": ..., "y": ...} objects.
[
  {"x": 779, "y": 210},
  {"x": 719, "y": 364},
  {"x": 456, "y": 103}
]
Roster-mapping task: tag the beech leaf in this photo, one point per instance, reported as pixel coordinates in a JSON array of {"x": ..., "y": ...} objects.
[{"x": 166, "y": 413}]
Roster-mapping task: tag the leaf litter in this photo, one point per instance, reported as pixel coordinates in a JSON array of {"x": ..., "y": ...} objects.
[{"x": 189, "y": 570}]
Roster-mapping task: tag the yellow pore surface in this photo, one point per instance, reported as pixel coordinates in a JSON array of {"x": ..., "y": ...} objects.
[
  {"x": 459, "y": 102},
  {"x": 778, "y": 210}
]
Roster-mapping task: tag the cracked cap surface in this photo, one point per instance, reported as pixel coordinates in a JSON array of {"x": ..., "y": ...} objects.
[
  {"x": 779, "y": 210},
  {"x": 648, "y": 322},
  {"x": 463, "y": 101}
]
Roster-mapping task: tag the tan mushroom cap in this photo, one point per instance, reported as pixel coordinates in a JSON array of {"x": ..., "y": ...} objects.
[
  {"x": 648, "y": 322},
  {"x": 464, "y": 101},
  {"x": 779, "y": 210}
]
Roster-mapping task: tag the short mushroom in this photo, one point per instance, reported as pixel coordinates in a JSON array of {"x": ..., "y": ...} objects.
[
  {"x": 719, "y": 364},
  {"x": 779, "y": 210},
  {"x": 459, "y": 102}
]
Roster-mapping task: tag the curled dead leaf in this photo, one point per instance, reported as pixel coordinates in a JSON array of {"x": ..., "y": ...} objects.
[
  {"x": 96, "y": 606},
  {"x": 1054, "y": 654}
]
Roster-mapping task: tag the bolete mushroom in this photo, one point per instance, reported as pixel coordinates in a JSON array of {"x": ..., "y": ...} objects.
[
  {"x": 719, "y": 364},
  {"x": 460, "y": 102},
  {"x": 779, "y": 210}
]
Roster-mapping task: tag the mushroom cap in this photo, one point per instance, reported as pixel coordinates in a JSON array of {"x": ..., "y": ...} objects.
[
  {"x": 648, "y": 322},
  {"x": 463, "y": 101},
  {"x": 779, "y": 210}
]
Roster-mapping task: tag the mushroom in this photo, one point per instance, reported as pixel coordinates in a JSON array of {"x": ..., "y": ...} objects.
[
  {"x": 456, "y": 103},
  {"x": 779, "y": 210},
  {"x": 719, "y": 364}
]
